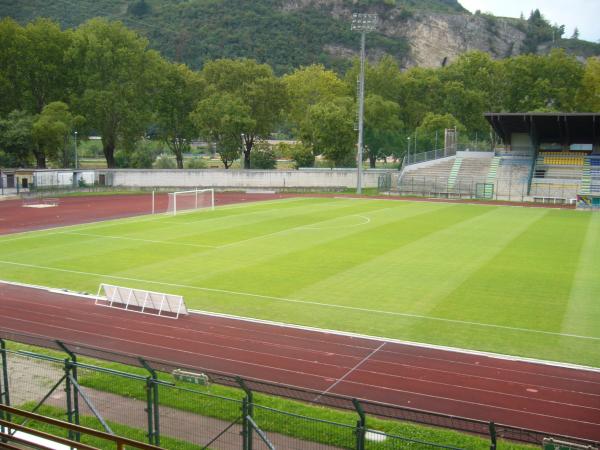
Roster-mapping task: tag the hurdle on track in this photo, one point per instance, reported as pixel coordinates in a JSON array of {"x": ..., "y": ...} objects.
[{"x": 141, "y": 301}]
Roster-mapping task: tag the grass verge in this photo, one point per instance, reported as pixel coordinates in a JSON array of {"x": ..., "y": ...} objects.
[{"x": 273, "y": 414}]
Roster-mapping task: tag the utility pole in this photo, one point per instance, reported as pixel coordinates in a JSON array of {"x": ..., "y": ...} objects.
[{"x": 362, "y": 23}]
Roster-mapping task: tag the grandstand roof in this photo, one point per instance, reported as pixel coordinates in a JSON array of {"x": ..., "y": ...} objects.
[{"x": 565, "y": 128}]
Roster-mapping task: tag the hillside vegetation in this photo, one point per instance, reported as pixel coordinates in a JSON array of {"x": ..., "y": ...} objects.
[{"x": 291, "y": 33}]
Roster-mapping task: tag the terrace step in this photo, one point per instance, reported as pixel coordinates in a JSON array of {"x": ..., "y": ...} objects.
[
  {"x": 454, "y": 172},
  {"x": 586, "y": 179}
]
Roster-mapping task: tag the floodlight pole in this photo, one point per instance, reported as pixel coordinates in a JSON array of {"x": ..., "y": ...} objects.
[
  {"x": 363, "y": 23},
  {"x": 76, "y": 157}
]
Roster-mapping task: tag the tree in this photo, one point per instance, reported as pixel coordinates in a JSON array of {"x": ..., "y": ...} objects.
[
  {"x": 178, "y": 93},
  {"x": 383, "y": 79},
  {"x": 117, "y": 82},
  {"x": 302, "y": 155},
  {"x": 45, "y": 76},
  {"x": 331, "y": 126},
  {"x": 257, "y": 88},
  {"x": 382, "y": 127},
  {"x": 433, "y": 123},
  {"x": 51, "y": 132},
  {"x": 223, "y": 118},
  {"x": 575, "y": 34},
  {"x": 478, "y": 73},
  {"x": 11, "y": 82},
  {"x": 308, "y": 86},
  {"x": 588, "y": 98},
  {"x": 263, "y": 157},
  {"x": 16, "y": 138},
  {"x": 548, "y": 83}
]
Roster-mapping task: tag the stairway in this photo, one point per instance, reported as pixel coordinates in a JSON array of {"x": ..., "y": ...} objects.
[
  {"x": 488, "y": 191},
  {"x": 454, "y": 173},
  {"x": 586, "y": 178}
]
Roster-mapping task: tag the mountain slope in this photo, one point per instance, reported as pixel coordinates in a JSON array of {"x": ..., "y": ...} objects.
[{"x": 291, "y": 33}]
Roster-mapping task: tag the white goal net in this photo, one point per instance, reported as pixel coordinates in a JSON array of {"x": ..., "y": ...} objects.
[
  {"x": 191, "y": 200},
  {"x": 141, "y": 301}
]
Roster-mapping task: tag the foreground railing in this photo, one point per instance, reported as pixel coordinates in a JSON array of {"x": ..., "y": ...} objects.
[
  {"x": 177, "y": 407},
  {"x": 10, "y": 439}
]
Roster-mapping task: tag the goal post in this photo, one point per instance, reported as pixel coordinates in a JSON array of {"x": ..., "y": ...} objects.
[
  {"x": 191, "y": 200},
  {"x": 141, "y": 301}
]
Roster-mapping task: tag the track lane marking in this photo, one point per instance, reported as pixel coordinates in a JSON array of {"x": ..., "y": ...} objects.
[
  {"x": 303, "y": 302},
  {"x": 295, "y": 347},
  {"x": 307, "y": 374},
  {"x": 349, "y": 372}
]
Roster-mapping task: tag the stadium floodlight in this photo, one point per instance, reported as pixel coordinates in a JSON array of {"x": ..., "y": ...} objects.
[
  {"x": 191, "y": 200},
  {"x": 363, "y": 23},
  {"x": 76, "y": 156}
]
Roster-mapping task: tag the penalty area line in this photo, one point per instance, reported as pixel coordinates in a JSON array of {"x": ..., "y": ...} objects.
[{"x": 302, "y": 302}]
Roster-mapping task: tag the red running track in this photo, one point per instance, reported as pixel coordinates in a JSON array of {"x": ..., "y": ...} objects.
[
  {"x": 14, "y": 217},
  {"x": 555, "y": 400}
]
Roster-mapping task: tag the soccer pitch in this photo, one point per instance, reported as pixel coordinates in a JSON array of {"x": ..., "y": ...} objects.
[{"x": 517, "y": 281}]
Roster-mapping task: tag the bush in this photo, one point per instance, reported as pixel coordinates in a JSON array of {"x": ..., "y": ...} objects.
[
  {"x": 263, "y": 158},
  {"x": 302, "y": 156},
  {"x": 195, "y": 163},
  {"x": 141, "y": 159},
  {"x": 164, "y": 162},
  {"x": 122, "y": 159}
]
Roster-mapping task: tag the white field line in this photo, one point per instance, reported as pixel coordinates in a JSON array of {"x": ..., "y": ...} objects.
[
  {"x": 305, "y": 227},
  {"x": 151, "y": 241},
  {"x": 366, "y": 221},
  {"x": 337, "y": 332},
  {"x": 139, "y": 218},
  {"x": 303, "y": 302}
]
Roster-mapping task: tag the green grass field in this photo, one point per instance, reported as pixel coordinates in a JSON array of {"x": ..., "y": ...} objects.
[{"x": 516, "y": 281}]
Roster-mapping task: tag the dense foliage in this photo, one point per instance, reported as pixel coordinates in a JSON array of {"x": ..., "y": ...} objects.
[{"x": 103, "y": 79}]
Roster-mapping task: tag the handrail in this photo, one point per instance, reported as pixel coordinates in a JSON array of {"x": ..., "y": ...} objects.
[{"x": 120, "y": 442}]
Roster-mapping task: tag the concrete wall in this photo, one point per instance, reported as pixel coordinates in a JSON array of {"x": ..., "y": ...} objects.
[{"x": 242, "y": 179}]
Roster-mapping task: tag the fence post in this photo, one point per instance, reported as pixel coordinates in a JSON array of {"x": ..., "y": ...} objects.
[
  {"x": 247, "y": 411},
  {"x": 4, "y": 388},
  {"x": 493, "y": 436},
  {"x": 360, "y": 425},
  {"x": 152, "y": 408},
  {"x": 72, "y": 394}
]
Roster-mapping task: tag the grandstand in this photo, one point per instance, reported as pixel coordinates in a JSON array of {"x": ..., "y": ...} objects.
[
  {"x": 547, "y": 157},
  {"x": 468, "y": 175},
  {"x": 562, "y": 146}
]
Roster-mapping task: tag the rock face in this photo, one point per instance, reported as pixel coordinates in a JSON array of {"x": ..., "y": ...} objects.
[{"x": 436, "y": 39}]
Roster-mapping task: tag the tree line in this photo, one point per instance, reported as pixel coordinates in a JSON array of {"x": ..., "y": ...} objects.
[{"x": 102, "y": 78}]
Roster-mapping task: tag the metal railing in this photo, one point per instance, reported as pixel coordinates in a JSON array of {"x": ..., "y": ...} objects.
[
  {"x": 416, "y": 158},
  {"x": 140, "y": 398},
  {"x": 9, "y": 429},
  {"x": 503, "y": 189}
]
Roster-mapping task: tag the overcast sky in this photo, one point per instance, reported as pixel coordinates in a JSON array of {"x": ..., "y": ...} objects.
[{"x": 583, "y": 14}]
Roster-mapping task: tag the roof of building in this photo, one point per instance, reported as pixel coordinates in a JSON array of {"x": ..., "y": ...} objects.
[{"x": 564, "y": 128}]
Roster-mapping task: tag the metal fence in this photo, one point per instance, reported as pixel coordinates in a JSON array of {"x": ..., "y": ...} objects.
[
  {"x": 415, "y": 158},
  {"x": 143, "y": 405},
  {"x": 184, "y": 415},
  {"x": 505, "y": 189}
]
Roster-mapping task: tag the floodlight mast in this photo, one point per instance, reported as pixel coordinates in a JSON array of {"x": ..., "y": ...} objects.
[{"x": 364, "y": 23}]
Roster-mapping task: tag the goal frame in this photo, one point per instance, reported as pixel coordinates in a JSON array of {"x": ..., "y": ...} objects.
[{"x": 173, "y": 198}]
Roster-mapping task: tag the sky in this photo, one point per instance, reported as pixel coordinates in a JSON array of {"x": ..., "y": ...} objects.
[{"x": 583, "y": 14}]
